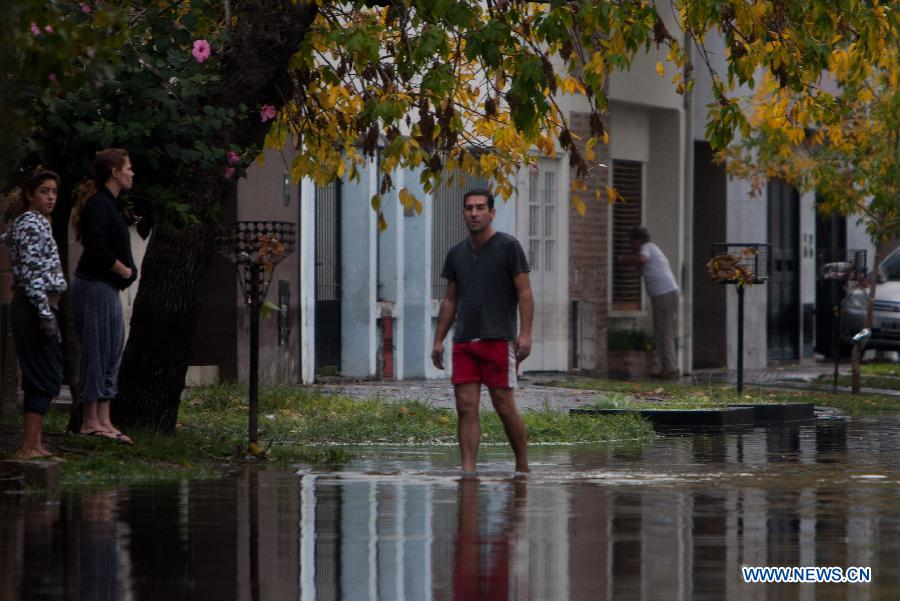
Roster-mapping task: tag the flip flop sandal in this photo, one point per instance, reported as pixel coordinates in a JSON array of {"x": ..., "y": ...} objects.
[
  {"x": 123, "y": 438},
  {"x": 99, "y": 434}
]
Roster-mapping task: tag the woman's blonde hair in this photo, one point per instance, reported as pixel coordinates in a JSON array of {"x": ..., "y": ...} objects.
[{"x": 104, "y": 162}]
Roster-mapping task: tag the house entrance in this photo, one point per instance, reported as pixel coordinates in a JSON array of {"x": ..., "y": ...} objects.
[{"x": 783, "y": 287}]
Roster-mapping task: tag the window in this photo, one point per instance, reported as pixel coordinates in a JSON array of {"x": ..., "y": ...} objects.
[
  {"x": 542, "y": 219},
  {"x": 626, "y": 284},
  {"x": 891, "y": 266},
  {"x": 448, "y": 226}
]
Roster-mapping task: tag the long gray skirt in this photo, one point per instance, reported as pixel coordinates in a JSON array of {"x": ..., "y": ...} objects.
[{"x": 101, "y": 331}]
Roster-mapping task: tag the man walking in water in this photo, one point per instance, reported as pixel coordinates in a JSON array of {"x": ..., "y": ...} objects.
[{"x": 487, "y": 276}]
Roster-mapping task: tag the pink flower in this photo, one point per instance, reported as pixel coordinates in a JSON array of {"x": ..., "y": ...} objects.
[
  {"x": 35, "y": 29},
  {"x": 229, "y": 172},
  {"x": 52, "y": 77},
  {"x": 201, "y": 50},
  {"x": 233, "y": 158},
  {"x": 267, "y": 113},
  {"x": 48, "y": 29},
  {"x": 85, "y": 8}
]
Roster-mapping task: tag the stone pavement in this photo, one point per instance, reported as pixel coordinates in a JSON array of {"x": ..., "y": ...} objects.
[
  {"x": 532, "y": 393},
  {"x": 536, "y": 390}
]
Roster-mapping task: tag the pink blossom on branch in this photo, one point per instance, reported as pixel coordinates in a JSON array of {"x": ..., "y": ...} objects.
[
  {"x": 229, "y": 172},
  {"x": 233, "y": 158},
  {"x": 52, "y": 77},
  {"x": 85, "y": 7},
  {"x": 35, "y": 29},
  {"x": 48, "y": 29},
  {"x": 201, "y": 50},
  {"x": 267, "y": 113}
]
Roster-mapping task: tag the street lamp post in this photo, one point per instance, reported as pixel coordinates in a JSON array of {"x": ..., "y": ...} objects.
[
  {"x": 256, "y": 247},
  {"x": 742, "y": 264}
]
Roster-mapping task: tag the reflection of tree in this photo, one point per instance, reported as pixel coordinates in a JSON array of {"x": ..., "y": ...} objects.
[
  {"x": 98, "y": 548},
  {"x": 482, "y": 561}
]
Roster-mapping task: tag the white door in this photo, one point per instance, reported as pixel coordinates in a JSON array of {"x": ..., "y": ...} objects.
[{"x": 542, "y": 211}]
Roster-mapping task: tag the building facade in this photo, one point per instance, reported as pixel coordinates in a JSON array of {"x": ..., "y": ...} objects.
[{"x": 361, "y": 303}]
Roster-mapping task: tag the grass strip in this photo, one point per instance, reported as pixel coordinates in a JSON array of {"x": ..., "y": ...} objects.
[
  {"x": 876, "y": 382},
  {"x": 677, "y": 395},
  {"x": 297, "y": 426},
  {"x": 881, "y": 369}
]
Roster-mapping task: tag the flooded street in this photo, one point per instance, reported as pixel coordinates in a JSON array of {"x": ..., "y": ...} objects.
[{"x": 673, "y": 519}]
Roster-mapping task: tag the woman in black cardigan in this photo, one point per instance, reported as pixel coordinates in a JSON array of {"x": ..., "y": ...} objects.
[{"x": 106, "y": 267}]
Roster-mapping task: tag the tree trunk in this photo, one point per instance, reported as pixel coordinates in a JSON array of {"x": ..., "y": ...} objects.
[
  {"x": 254, "y": 72},
  {"x": 71, "y": 360},
  {"x": 856, "y": 353},
  {"x": 162, "y": 327}
]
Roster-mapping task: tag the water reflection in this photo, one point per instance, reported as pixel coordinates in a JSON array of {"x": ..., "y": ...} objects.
[{"x": 674, "y": 519}]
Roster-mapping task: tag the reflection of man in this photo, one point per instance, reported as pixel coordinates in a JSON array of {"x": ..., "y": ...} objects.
[
  {"x": 663, "y": 291},
  {"x": 487, "y": 277},
  {"x": 484, "y": 560}
]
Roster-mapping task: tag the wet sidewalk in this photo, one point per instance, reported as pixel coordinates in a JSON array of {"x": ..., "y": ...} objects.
[
  {"x": 535, "y": 392},
  {"x": 542, "y": 390}
]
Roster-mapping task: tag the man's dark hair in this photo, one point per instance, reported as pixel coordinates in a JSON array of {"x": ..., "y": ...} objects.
[
  {"x": 640, "y": 233},
  {"x": 480, "y": 192}
]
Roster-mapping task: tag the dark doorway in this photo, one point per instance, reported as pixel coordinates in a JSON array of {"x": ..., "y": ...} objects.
[
  {"x": 328, "y": 278},
  {"x": 710, "y": 210},
  {"x": 783, "y": 287},
  {"x": 831, "y": 245}
]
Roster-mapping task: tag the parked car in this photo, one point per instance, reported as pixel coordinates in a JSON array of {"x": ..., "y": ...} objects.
[{"x": 886, "y": 316}]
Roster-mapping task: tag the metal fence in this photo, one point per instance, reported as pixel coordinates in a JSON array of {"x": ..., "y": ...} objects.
[{"x": 448, "y": 226}]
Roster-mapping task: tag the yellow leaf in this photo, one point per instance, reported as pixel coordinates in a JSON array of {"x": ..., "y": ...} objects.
[
  {"x": 660, "y": 69},
  {"x": 376, "y": 203},
  {"x": 408, "y": 200},
  {"x": 796, "y": 135},
  {"x": 382, "y": 222},
  {"x": 579, "y": 204},
  {"x": 612, "y": 195},
  {"x": 571, "y": 85}
]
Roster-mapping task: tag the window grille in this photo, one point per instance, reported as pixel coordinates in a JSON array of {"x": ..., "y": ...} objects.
[
  {"x": 626, "y": 284},
  {"x": 448, "y": 226}
]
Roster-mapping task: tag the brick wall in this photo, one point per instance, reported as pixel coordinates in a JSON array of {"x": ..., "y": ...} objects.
[{"x": 588, "y": 251}]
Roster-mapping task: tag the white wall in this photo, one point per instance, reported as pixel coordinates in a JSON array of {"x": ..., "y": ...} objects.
[{"x": 747, "y": 221}]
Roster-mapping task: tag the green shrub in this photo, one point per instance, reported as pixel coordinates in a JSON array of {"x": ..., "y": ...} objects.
[{"x": 629, "y": 340}]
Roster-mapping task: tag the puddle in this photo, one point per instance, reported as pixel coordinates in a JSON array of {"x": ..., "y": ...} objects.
[{"x": 673, "y": 519}]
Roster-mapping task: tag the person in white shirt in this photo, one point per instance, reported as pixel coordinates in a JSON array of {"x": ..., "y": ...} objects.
[{"x": 663, "y": 291}]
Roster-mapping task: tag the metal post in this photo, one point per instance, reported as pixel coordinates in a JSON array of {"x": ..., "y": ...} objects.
[
  {"x": 740, "y": 341},
  {"x": 255, "y": 301},
  {"x": 836, "y": 334},
  {"x": 256, "y": 247}
]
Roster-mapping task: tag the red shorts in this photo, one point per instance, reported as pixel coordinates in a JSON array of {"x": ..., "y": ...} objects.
[{"x": 490, "y": 362}]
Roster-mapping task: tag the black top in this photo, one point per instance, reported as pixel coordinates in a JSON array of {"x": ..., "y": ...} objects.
[
  {"x": 106, "y": 239},
  {"x": 486, "y": 293}
]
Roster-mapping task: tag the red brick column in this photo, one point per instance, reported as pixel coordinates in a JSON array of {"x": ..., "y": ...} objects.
[{"x": 588, "y": 244}]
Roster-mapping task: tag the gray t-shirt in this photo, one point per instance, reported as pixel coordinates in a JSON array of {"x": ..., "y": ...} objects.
[{"x": 486, "y": 299}]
